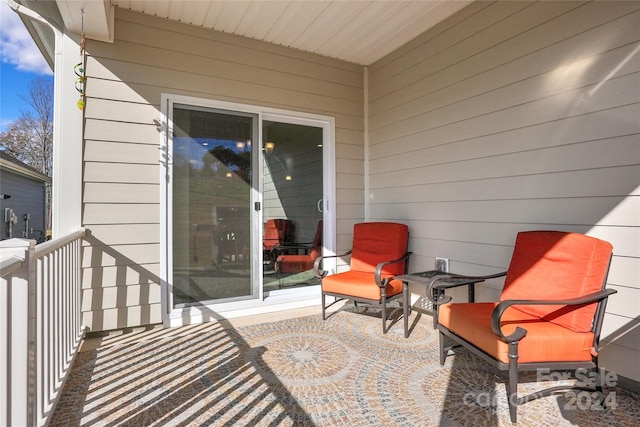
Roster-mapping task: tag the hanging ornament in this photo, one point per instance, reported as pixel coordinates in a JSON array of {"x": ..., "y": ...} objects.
[{"x": 79, "y": 69}]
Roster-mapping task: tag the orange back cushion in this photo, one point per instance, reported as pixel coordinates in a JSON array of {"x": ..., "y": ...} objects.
[
  {"x": 375, "y": 242},
  {"x": 271, "y": 234},
  {"x": 549, "y": 265}
]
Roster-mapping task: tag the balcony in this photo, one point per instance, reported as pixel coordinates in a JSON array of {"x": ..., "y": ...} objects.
[{"x": 291, "y": 369}]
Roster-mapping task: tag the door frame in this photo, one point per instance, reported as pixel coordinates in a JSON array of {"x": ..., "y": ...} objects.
[{"x": 293, "y": 298}]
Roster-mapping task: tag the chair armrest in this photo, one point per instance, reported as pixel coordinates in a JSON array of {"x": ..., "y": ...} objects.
[
  {"x": 465, "y": 281},
  {"x": 520, "y": 333},
  {"x": 382, "y": 283},
  {"x": 317, "y": 265}
]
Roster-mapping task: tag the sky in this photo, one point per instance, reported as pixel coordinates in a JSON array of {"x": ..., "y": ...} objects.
[{"x": 22, "y": 62}]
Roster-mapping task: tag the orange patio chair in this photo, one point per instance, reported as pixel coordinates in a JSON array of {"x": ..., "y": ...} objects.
[
  {"x": 549, "y": 315},
  {"x": 292, "y": 260},
  {"x": 379, "y": 252},
  {"x": 276, "y": 232}
]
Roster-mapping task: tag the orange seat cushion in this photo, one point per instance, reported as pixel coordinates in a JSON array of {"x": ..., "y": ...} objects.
[
  {"x": 544, "y": 342},
  {"x": 296, "y": 263},
  {"x": 359, "y": 284},
  {"x": 548, "y": 265}
]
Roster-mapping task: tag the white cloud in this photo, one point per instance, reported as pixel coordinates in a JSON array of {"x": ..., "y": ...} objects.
[{"x": 16, "y": 46}]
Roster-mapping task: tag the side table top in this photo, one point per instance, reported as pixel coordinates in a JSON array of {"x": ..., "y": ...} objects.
[{"x": 427, "y": 276}]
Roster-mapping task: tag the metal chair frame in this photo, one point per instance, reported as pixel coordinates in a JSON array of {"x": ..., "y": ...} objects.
[
  {"x": 379, "y": 281},
  {"x": 513, "y": 340}
]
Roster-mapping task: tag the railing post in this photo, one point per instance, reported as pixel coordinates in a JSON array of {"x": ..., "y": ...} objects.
[{"x": 18, "y": 325}]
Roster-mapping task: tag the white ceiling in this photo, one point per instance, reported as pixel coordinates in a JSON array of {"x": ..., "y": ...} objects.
[{"x": 352, "y": 30}]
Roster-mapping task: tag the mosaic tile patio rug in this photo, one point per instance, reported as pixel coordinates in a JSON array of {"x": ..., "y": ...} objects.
[{"x": 307, "y": 372}]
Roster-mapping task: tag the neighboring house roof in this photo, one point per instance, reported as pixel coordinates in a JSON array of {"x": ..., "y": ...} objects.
[
  {"x": 360, "y": 32},
  {"x": 10, "y": 163}
]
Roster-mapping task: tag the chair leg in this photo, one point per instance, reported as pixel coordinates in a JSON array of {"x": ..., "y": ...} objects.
[
  {"x": 324, "y": 316},
  {"x": 384, "y": 315},
  {"x": 599, "y": 384},
  {"x": 443, "y": 354},
  {"x": 512, "y": 386}
]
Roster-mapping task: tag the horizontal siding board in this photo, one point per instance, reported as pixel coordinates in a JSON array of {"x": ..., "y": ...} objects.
[
  {"x": 583, "y": 210},
  {"x": 122, "y": 317},
  {"x": 134, "y": 133},
  {"x": 350, "y": 181},
  {"x": 490, "y": 233},
  {"x": 528, "y": 214},
  {"x": 623, "y": 330},
  {"x": 350, "y": 136},
  {"x": 129, "y": 213},
  {"x": 625, "y": 240},
  {"x": 612, "y": 153},
  {"x": 98, "y": 255},
  {"x": 116, "y": 152},
  {"x": 626, "y": 302},
  {"x": 122, "y": 173},
  {"x": 496, "y": 256},
  {"x": 120, "y": 275},
  {"x": 352, "y": 166},
  {"x": 127, "y": 233},
  {"x": 625, "y": 271},
  {"x": 609, "y": 181},
  {"x": 350, "y": 151},
  {"x": 99, "y": 192},
  {"x": 107, "y": 89},
  {"x": 121, "y": 111},
  {"x": 120, "y": 296},
  {"x": 350, "y": 212},
  {"x": 350, "y": 196}
]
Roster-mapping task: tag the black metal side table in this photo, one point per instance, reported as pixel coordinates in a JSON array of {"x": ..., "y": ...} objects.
[{"x": 436, "y": 282}]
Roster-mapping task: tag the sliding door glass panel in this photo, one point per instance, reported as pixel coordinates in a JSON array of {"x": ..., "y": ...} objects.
[
  {"x": 292, "y": 199},
  {"x": 212, "y": 187}
]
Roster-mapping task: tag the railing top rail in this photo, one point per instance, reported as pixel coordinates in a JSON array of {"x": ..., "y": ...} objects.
[
  {"x": 47, "y": 247},
  {"x": 10, "y": 264}
]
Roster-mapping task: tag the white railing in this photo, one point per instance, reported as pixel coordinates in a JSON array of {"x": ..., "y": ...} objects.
[{"x": 40, "y": 324}]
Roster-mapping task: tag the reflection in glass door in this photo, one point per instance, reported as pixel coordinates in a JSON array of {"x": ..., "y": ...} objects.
[
  {"x": 293, "y": 204},
  {"x": 211, "y": 208}
]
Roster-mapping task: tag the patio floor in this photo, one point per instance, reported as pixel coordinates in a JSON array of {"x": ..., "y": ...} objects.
[{"x": 294, "y": 369}]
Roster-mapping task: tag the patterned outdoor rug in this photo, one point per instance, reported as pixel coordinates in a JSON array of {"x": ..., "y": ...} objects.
[{"x": 307, "y": 372}]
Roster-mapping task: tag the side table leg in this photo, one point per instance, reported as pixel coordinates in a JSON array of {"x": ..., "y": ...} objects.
[{"x": 437, "y": 293}]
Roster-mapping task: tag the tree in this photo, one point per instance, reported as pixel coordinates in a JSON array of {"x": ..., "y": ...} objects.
[{"x": 30, "y": 138}]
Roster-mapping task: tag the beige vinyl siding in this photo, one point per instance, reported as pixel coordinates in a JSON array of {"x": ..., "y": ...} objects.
[
  {"x": 513, "y": 116},
  {"x": 122, "y": 161}
]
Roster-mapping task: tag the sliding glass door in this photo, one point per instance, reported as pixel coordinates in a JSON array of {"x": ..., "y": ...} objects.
[
  {"x": 292, "y": 194},
  {"x": 245, "y": 208},
  {"x": 212, "y": 204}
]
